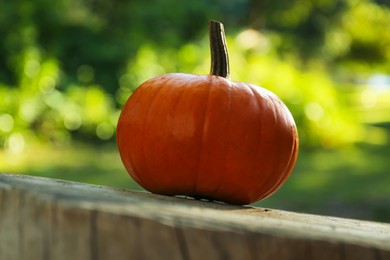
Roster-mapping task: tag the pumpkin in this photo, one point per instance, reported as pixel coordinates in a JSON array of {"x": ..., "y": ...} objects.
[{"x": 205, "y": 136}]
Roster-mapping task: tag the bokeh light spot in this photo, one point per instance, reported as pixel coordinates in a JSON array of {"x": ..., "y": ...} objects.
[
  {"x": 368, "y": 98},
  {"x": 6, "y": 123},
  {"x": 47, "y": 84},
  {"x": 72, "y": 121},
  {"x": 15, "y": 143},
  {"x": 252, "y": 39},
  {"x": 314, "y": 111},
  {"x": 32, "y": 68},
  {"x": 105, "y": 131}
]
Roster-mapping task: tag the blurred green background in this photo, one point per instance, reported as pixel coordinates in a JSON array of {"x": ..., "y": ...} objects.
[{"x": 68, "y": 66}]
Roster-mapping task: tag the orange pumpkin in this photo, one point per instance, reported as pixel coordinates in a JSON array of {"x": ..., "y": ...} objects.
[{"x": 206, "y": 136}]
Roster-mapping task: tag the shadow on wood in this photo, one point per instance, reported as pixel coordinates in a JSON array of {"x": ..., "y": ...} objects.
[{"x": 52, "y": 219}]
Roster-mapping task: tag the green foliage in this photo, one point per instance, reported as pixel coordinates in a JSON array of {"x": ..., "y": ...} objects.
[
  {"x": 330, "y": 30},
  {"x": 40, "y": 112},
  {"x": 100, "y": 34}
]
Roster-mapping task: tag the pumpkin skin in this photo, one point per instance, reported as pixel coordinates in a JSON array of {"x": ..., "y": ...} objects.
[{"x": 207, "y": 137}]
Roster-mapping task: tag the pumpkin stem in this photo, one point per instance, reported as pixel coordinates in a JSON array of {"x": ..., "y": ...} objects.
[{"x": 218, "y": 49}]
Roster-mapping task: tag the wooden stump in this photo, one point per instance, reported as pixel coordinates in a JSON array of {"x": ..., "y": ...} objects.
[{"x": 52, "y": 219}]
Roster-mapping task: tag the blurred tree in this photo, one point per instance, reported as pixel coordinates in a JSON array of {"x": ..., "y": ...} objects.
[
  {"x": 101, "y": 34},
  {"x": 331, "y": 30},
  {"x": 303, "y": 23}
]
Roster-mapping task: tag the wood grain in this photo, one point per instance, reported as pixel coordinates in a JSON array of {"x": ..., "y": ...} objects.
[{"x": 53, "y": 219}]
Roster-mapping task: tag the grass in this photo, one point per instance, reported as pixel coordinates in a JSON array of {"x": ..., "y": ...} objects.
[{"x": 353, "y": 182}]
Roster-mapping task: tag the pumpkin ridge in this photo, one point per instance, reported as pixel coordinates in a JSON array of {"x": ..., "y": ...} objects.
[
  {"x": 236, "y": 192},
  {"x": 263, "y": 99},
  {"x": 293, "y": 153},
  {"x": 275, "y": 153},
  {"x": 202, "y": 135},
  {"x": 144, "y": 157},
  {"x": 286, "y": 170},
  {"x": 130, "y": 167},
  {"x": 259, "y": 99},
  {"x": 226, "y": 128},
  {"x": 259, "y": 123},
  {"x": 176, "y": 107},
  {"x": 175, "y": 104},
  {"x": 277, "y": 103},
  {"x": 284, "y": 176}
]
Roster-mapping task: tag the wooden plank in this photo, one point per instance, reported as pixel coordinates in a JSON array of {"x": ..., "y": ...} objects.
[
  {"x": 52, "y": 219},
  {"x": 9, "y": 232},
  {"x": 135, "y": 238}
]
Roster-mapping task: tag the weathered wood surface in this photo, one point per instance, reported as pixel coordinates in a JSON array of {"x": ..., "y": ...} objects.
[{"x": 52, "y": 219}]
